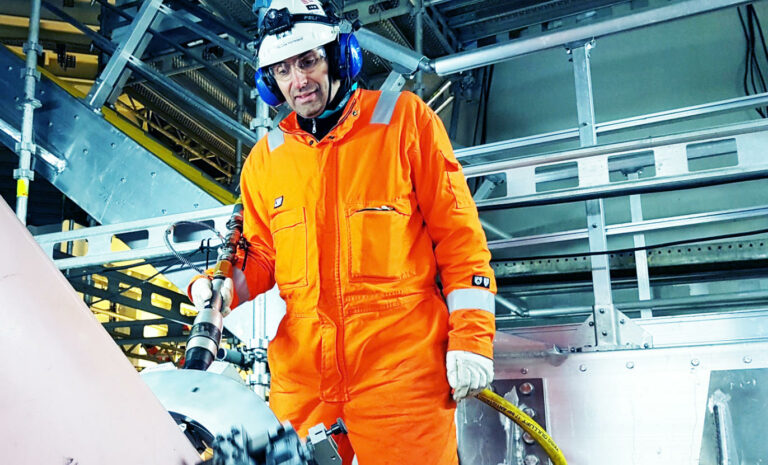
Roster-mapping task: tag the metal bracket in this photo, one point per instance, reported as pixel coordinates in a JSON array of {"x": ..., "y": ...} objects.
[
  {"x": 30, "y": 46},
  {"x": 610, "y": 329},
  {"x": 19, "y": 173},
  {"x": 24, "y": 72},
  {"x": 260, "y": 122}
]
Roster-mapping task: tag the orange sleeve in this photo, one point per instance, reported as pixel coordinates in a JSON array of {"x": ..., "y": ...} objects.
[
  {"x": 461, "y": 250},
  {"x": 255, "y": 270}
]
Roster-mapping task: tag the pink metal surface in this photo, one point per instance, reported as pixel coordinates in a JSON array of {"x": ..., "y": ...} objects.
[{"x": 68, "y": 395}]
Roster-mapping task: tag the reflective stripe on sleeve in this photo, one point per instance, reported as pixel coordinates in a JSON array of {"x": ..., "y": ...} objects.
[
  {"x": 471, "y": 299},
  {"x": 275, "y": 138},
  {"x": 384, "y": 107},
  {"x": 241, "y": 286}
]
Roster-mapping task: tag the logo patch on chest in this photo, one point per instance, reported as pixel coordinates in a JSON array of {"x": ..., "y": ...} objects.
[
  {"x": 481, "y": 281},
  {"x": 279, "y": 202}
]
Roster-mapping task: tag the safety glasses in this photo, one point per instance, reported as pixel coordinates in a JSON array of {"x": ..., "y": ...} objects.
[{"x": 305, "y": 64}]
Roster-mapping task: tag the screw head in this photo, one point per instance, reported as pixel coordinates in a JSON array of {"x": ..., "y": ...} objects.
[
  {"x": 531, "y": 460},
  {"x": 530, "y": 412},
  {"x": 630, "y": 365},
  {"x": 582, "y": 368},
  {"x": 747, "y": 359},
  {"x": 604, "y": 332},
  {"x": 527, "y": 438},
  {"x": 524, "y": 371},
  {"x": 695, "y": 362},
  {"x": 526, "y": 389}
]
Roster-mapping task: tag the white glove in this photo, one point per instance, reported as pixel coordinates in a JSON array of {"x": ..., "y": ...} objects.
[
  {"x": 468, "y": 373},
  {"x": 201, "y": 294}
]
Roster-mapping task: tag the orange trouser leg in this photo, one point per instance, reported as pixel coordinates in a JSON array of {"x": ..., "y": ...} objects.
[
  {"x": 400, "y": 411},
  {"x": 412, "y": 429},
  {"x": 306, "y": 412}
]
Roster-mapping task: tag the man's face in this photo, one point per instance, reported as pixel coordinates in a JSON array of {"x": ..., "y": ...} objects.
[{"x": 303, "y": 80}]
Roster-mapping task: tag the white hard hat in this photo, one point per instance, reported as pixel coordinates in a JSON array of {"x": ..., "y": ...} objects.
[{"x": 300, "y": 35}]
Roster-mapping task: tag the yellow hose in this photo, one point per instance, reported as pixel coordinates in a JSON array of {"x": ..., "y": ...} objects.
[{"x": 509, "y": 410}]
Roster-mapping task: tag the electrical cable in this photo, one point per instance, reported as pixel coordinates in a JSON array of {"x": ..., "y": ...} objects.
[
  {"x": 647, "y": 247},
  {"x": 180, "y": 257},
  {"x": 754, "y": 81},
  {"x": 525, "y": 422}
]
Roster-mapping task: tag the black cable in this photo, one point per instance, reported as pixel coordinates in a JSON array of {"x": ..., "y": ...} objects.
[
  {"x": 180, "y": 257},
  {"x": 647, "y": 247}
]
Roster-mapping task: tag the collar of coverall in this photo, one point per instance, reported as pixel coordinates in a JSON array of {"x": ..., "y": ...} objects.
[{"x": 290, "y": 124}]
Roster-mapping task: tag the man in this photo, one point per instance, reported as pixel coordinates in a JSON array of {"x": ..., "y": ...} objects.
[{"x": 352, "y": 206}]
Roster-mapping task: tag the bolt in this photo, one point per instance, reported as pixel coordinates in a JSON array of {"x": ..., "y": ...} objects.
[
  {"x": 50, "y": 124},
  {"x": 531, "y": 460},
  {"x": 183, "y": 426},
  {"x": 195, "y": 205},
  {"x": 646, "y": 345},
  {"x": 528, "y": 439},
  {"x": 594, "y": 225},
  {"x": 695, "y": 362},
  {"x": 621, "y": 321},
  {"x": 122, "y": 179},
  {"x": 163, "y": 211},
  {"x": 153, "y": 174},
  {"x": 630, "y": 365},
  {"x": 591, "y": 323},
  {"x": 602, "y": 310},
  {"x": 529, "y": 411},
  {"x": 604, "y": 332},
  {"x": 747, "y": 359},
  {"x": 582, "y": 367},
  {"x": 526, "y": 389},
  {"x": 113, "y": 145},
  {"x": 77, "y": 116},
  {"x": 524, "y": 371}
]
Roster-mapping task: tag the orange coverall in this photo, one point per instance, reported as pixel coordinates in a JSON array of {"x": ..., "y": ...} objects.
[{"x": 354, "y": 229}]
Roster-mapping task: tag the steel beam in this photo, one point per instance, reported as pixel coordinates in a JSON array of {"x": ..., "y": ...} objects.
[
  {"x": 467, "y": 155},
  {"x": 108, "y": 78},
  {"x": 485, "y": 56}
]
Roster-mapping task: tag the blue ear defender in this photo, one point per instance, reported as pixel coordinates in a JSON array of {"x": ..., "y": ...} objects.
[
  {"x": 267, "y": 88},
  {"x": 350, "y": 56}
]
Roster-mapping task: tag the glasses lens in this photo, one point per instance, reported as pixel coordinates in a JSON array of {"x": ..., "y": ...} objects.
[{"x": 305, "y": 64}]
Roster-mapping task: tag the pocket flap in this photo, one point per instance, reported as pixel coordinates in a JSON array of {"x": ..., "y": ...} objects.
[{"x": 287, "y": 219}]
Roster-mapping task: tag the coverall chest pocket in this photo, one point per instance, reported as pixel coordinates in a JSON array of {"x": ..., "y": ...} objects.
[
  {"x": 289, "y": 235},
  {"x": 378, "y": 240}
]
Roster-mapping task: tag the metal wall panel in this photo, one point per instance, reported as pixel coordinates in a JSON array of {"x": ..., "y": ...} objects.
[{"x": 68, "y": 394}]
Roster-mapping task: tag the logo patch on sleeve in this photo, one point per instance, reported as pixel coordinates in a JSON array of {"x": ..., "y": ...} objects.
[
  {"x": 481, "y": 281},
  {"x": 279, "y": 201}
]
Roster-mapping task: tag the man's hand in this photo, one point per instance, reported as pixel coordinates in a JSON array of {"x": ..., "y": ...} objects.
[
  {"x": 202, "y": 293},
  {"x": 468, "y": 373}
]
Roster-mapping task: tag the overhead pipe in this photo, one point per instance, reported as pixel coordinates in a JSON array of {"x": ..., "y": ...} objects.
[
  {"x": 419, "y": 45},
  {"x": 403, "y": 59},
  {"x": 24, "y": 174},
  {"x": 495, "y": 53}
]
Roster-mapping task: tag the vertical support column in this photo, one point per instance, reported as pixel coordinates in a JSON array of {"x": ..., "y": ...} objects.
[
  {"x": 109, "y": 78},
  {"x": 235, "y": 181},
  {"x": 641, "y": 256},
  {"x": 26, "y": 148},
  {"x": 604, "y": 316},
  {"x": 262, "y": 126},
  {"x": 419, "y": 45},
  {"x": 607, "y": 328}
]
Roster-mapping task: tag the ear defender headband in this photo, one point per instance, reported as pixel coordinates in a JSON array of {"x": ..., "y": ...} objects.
[{"x": 344, "y": 55}]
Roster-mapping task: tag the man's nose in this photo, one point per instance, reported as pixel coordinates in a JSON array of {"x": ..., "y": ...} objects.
[{"x": 298, "y": 78}]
